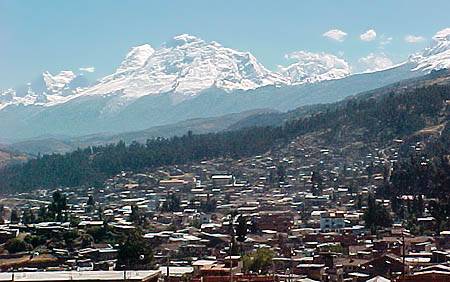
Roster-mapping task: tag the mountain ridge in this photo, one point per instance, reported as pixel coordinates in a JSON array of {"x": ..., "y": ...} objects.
[
  {"x": 418, "y": 113},
  {"x": 189, "y": 78},
  {"x": 229, "y": 122}
]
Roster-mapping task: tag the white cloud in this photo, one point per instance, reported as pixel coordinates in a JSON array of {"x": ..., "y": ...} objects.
[
  {"x": 335, "y": 34},
  {"x": 87, "y": 69},
  {"x": 369, "y": 35},
  {"x": 323, "y": 59},
  {"x": 375, "y": 62},
  {"x": 312, "y": 67},
  {"x": 414, "y": 39}
]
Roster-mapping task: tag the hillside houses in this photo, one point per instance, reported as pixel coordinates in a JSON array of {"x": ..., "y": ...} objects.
[{"x": 305, "y": 204}]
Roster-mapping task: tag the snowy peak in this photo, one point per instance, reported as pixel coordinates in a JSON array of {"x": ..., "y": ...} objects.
[
  {"x": 183, "y": 39},
  {"x": 46, "y": 90},
  {"x": 185, "y": 66},
  {"x": 56, "y": 83},
  {"x": 136, "y": 58},
  {"x": 435, "y": 57},
  {"x": 192, "y": 65},
  {"x": 442, "y": 40},
  {"x": 314, "y": 67}
]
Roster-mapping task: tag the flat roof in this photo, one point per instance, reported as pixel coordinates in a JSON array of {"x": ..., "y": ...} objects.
[
  {"x": 79, "y": 275},
  {"x": 176, "y": 270}
]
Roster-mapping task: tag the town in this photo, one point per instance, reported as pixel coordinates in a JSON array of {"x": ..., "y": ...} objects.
[{"x": 305, "y": 212}]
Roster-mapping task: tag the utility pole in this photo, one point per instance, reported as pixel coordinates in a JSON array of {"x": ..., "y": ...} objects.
[
  {"x": 231, "y": 263},
  {"x": 292, "y": 264},
  {"x": 167, "y": 266},
  {"x": 403, "y": 254}
]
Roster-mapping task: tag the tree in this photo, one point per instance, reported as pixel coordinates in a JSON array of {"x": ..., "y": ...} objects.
[
  {"x": 100, "y": 233},
  {"x": 241, "y": 229},
  {"x": 69, "y": 238},
  {"x": 35, "y": 240},
  {"x": 281, "y": 173},
  {"x": 15, "y": 217},
  {"x": 100, "y": 213},
  {"x": 2, "y": 214},
  {"x": 420, "y": 205},
  {"x": 86, "y": 240},
  {"x": 259, "y": 261},
  {"x": 210, "y": 204},
  {"x": 359, "y": 201},
  {"x": 172, "y": 203},
  {"x": 58, "y": 205},
  {"x": 376, "y": 215},
  {"x": 441, "y": 212},
  {"x": 90, "y": 201},
  {"x": 135, "y": 215},
  {"x": 16, "y": 245},
  {"x": 90, "y": 204},
  {"x": 316, "y": 180},
  {"x": 134, "y": 253},
  {"x": 43, "y": 214},
  {"x": 28, "y": 217}
]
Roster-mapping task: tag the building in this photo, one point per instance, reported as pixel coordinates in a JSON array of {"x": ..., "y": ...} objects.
[
  {"x": 280, "y": 221},
  {"x": 222, "y": 180},
  {"x": 83, "y": 276},
  {"x": 331, "y": 221}
]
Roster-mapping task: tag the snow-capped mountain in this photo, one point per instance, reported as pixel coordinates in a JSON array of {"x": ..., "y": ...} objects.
[
  {"x": 135, "y": 59},
  {"x": 47, "y": 90},
  {"x": 435, "y": 57},
  {"x": 314, "y": 67},
  {"x": 187, "y": 78},
  {"x": 185, "y": 66},
  {"x": 56, "y": 83}
]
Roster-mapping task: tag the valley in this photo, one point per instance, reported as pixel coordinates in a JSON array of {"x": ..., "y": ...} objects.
[{"x": 223, "y": 141}]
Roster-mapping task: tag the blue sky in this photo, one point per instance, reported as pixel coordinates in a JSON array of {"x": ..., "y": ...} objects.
[{"x": 56, "y": 35}]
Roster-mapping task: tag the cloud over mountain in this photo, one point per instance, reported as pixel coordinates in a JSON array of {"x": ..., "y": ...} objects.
[
  {"x": 375, "y": 62},
  {"x": 313, "y": 67}
]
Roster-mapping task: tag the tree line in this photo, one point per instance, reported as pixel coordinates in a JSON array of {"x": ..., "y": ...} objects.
[{"x": 382, "y": 118}]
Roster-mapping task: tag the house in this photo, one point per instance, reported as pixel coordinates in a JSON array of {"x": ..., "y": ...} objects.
[
  {"x": 387, "y": 265},
  {"x": 427, "y": 276},
  {"x": 280, "y": 221},
  {"x": 332, "y": 221},
  {"x": 176, "y": 273},
  {"x": 378, "y": 278},
  {"x": 426, "y": 223},
  {"x": 222, "y": 180},
  {"x": 311, "y": 270}
]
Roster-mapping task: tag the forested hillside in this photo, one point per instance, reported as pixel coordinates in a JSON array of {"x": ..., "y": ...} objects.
[{"x": 376, "y": 118}]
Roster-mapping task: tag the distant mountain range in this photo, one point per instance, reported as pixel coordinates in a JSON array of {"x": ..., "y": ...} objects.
[
  {"x": 189, "y": 78},
  {"x": 59, "y": 144},
  {"x": 229, "y": 122},
  {"x": 410, "y": 115}
]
